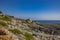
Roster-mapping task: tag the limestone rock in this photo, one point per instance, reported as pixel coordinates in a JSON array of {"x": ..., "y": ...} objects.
[{"x": 6, "y": 35}]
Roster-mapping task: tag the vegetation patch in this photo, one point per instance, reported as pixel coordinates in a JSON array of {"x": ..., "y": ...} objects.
[
  {"x": 28, "y": 36},
  {"x": 16, "y": 31},
  {"x": 6, "y": 18},
  {"x": 3, "y": 24}
]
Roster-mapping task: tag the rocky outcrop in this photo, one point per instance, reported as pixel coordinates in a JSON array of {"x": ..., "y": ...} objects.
[
  {"x": 6, "y": 35},
  {"x": 29, "y": 20},
  {"x": 19, "y": 29}
]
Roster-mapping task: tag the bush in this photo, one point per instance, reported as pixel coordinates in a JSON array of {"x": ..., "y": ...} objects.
[
  {"x": 3, "y": 24},
  {"x": 6, "y": 18},
  {"x": 15, "y": 31},
  {"x": 28, "y": 36}
]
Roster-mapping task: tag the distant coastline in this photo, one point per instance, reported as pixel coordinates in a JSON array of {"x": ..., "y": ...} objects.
[{"x": 49, "y": 21}]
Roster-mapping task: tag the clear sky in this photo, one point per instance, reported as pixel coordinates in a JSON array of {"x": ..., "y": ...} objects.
[{"x": 34, "y": 9}]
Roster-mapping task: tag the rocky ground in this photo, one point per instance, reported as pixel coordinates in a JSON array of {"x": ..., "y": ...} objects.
[{"x": 12, "y": 28}]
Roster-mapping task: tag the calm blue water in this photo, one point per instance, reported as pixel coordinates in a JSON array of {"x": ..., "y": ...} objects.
[{"x": 49, "y": 21}]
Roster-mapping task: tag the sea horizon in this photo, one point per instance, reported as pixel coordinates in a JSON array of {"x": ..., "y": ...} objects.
[{"x": 49, "y": 21}]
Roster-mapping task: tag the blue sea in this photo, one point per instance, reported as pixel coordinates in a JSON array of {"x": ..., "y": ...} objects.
[{"x": 49, "y": 21}]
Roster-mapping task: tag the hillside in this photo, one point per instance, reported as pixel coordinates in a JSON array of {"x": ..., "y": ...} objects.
[{"x": 20, "y": 29}]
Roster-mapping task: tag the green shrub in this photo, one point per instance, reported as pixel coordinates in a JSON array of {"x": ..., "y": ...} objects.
[
  {"x": 6, "y": 18},
  {"x": 28, "y": 36},
  {"x": 16, "y": 31},
  {"x": 3, "y": 24}
]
